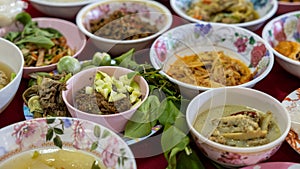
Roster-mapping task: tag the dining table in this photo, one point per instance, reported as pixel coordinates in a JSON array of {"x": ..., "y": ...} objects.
[{"x": 278, "y": 83}]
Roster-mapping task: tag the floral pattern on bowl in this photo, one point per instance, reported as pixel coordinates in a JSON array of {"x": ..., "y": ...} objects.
[
  {"x": 236, "y": 42},
  {"x": 265, "y": 9},
  {"x": 68, "y": 133},
  {"x": 292, "y": 104}
]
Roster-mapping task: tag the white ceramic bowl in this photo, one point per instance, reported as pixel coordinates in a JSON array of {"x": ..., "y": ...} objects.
[
  {"x": 151, "y": 11},
  {"x": 65, "y": 9},
  {"x": 193, "y": 38},
  {"x": 265, "y": 9},
  {"x": 11, "y": 56},
  {"x": 67, "y": 134},
  {"x": 75, "y": 39},
  {"x": 285, "y": 7},
  {"x": 284, "y": 28},
  {"x": 237, "y": 156},
  {"x": 115, "y": 122}
]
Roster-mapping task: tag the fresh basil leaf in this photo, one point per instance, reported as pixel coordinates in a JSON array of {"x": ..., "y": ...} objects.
[
  {"x": 170, "y": 112},
  {"x": 38, "y": 40},
  {"x": 12, "y": 36},
  {"x": 190, "y": 161},
  {"x": 53, "y": 33},
  {"x": 137, "y": 130}
]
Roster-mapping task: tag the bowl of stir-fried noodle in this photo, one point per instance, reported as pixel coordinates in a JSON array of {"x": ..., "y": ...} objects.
[
  {"x": 65, "y": 39},
  {"x": 199, "y": 57},
  {"x": 250, "y": 14},
  {"x": 283, "y": 34}
]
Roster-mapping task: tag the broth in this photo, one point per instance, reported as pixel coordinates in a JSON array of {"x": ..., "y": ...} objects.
[
  {"x": 5, "y": 74},
  {"x": 238, "y": 126},
  {"x": 51, "y": 159}
]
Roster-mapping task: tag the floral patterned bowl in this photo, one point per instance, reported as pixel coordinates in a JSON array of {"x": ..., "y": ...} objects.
[
  {"x": 66, "y": 133},
  {"x": 265, "y": 9},
  {"x": 149, "y": 11},
  {"x": 231, "y": 156},
  {"x": 192, "y": 38},
  {"x": 285, "y": 27}
]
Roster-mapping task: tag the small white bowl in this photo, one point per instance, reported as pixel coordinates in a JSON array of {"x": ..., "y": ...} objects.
[
  {"x": 11, "y": 56},
  {"x": 65, "y": 9},
  {"x": 115, "y": 122},
  {"x": 284, "y": 28},
  {"x": 265, "y": 9},
  {"x": 151, "y": 11},
  {"x": 62, "y": 133},
  {"x": 75, "y": 39},
  {"x": 193, "y": 38},
  {"x": 230, "y": 156}
]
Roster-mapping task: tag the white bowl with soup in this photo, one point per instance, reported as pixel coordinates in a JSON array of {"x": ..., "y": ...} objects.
[
  {"x": 11, "y": 70},
  {"x": 62, "y": 143},
  {"x": 116, "y": 26},
  {"x": 202, "y": 56},
  {"x": 237, "y": 126}
]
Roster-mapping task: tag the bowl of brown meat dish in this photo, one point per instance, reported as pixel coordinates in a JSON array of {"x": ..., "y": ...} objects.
[
  {"x": 116, "y": 26},
  {"x": 107, "y": 95},
  {"x": 237, "y": 126},
  {"x": 283, "y": 34},
  {"x": 199, "y": 57},
  {"x": 43, "y": 41}
]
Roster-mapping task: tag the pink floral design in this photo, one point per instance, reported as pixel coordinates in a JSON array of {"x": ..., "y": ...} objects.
[
  {"x": 30, "y": 133},
  {"x": 240, "y": 43},
  {"x": 231, "y": 158},
  {"x": 81, "y": 140},
  {"x": 257, "y": 53},
  {"x": 279, "y": 31},
  {"x": 161, "y": 49},
  {"x": 111, "y": 152}
]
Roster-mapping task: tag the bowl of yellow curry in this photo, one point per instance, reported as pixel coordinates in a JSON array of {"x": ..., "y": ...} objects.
[
  {"x": 283, "y": 34},
  {"x": 250, "y": 14},
  {"x": 63, "y": 142},
  {"x": 203, "y": 56},
  {"x": 237, "y": 126}
]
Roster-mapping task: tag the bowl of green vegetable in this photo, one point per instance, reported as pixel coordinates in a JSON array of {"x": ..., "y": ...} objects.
[
  {"x": 44, "y": 41},
  {"x": 107, "y": 95},
  {"x": 11, "y": 69}
]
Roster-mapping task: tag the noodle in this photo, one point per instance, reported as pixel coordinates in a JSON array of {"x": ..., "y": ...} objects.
[
  {"x": 210, "y": 69},
  {"x": 224, "y": 11}
]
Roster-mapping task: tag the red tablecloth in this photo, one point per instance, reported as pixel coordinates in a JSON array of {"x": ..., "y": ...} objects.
[{"x": 278, "y": 84}]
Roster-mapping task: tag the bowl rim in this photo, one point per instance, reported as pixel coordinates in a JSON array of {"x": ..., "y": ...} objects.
[
  {"x": 61, "y": 4},
  {"x": 64, "y": 93},
  {"x": 268, "y": 26},
  {"x": 260, "y": 20},
  {"x": 260, "y": 148},
  {"x": 20, "y": 72},
  {"x": 57, "y": 20},
  {"x": 84, "y": 10},
  {"x": 202, "y": 88}
]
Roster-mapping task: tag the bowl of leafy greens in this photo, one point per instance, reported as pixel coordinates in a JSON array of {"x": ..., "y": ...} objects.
[{"x": 44, "y": 41}]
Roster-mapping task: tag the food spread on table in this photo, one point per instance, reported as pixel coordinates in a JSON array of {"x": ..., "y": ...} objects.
[{"x": 44, "y": 46}]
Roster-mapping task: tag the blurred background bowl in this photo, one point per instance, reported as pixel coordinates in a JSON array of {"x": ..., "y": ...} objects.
[
  {"x": 65, "y": 9},
  {"x": 231, "y": 156},
  {"x": 285, "y": 27},
  {"x": 76, "y": 135},
  {"x": 148, "y": 11},
  {"x": 285, "y": 7},
  {"x": 11, "y": 56},
  {"x": 115, "y": 122},
  {"x": 193, "y": 38},
  {"x": 265, "y": 9},
  {"x": 76, "y": 40}
]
